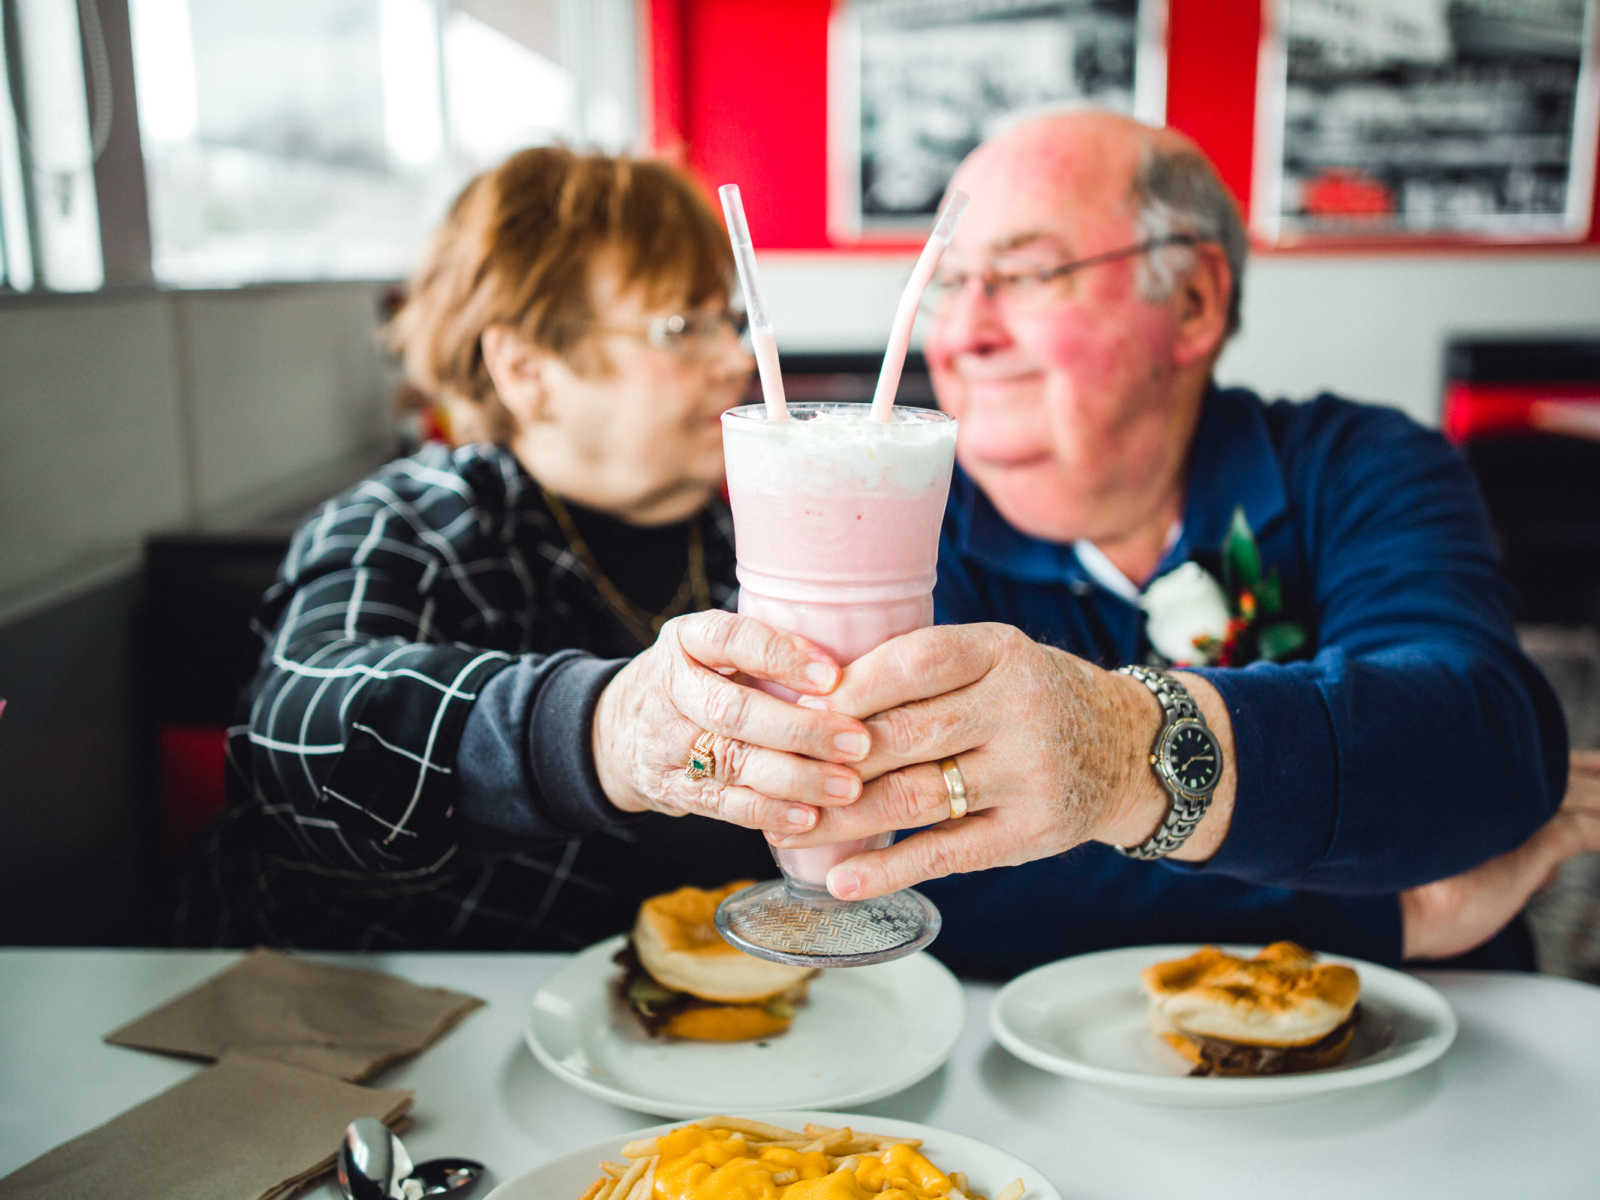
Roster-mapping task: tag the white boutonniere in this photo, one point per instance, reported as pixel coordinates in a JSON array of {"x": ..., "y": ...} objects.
[
  {"x": 1194, "y": 619},
  {"x": 1184, "y": 610}
]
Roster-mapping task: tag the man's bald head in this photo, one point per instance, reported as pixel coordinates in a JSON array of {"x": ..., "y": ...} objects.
[
  {"x": 1077, "y": 149},
  {"x": 1086, "y": 295},
  {"x": 1152, "y": 175}
]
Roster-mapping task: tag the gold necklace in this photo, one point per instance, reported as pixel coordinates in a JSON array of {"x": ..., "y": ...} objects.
[{"x": 643, "y": 624}]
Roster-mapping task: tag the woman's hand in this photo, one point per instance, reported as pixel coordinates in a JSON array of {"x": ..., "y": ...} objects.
[
  {"x": 773, "y": 762},
  {"x": 1454, "y": 915},
  {"x": 1045, "y": 741}
]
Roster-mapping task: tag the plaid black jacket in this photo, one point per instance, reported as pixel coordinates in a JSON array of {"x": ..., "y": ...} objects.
[{"x": 398, "y": 601}]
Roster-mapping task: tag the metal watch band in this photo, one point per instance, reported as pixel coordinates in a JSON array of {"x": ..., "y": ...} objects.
[
  {"x": 1184, "y": 812},
  {"x": 1174, "y": 697}
]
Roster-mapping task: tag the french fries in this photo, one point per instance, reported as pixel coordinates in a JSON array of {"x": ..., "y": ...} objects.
[{"x": 843, "y": 1148}]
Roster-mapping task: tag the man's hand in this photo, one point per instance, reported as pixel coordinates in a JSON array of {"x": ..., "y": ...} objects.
[
  {"x": 1454, "y": 915},
  {"x": 773, "y": 762},
  {"x": 1044, "y": 741}
]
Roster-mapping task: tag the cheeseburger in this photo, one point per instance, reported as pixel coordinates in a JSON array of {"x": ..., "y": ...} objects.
[
  {"x": 1279, "y": 1012},
  {"x": 683, "y": 981}
]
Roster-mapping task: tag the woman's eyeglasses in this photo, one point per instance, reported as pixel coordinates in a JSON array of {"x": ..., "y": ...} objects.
[
  {"x": 1035, "y": 288},
  {"x": 685, "y": 333}
]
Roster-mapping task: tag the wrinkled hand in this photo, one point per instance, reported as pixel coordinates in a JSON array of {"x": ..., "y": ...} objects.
[
  {"x": 1454, "y": 915},
  {"x": 774, "y": 761},
  {"x": 1037, "y": 732}
]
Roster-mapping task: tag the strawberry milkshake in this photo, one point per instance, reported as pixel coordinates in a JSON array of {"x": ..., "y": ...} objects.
[{"x": 836, "y": 526}]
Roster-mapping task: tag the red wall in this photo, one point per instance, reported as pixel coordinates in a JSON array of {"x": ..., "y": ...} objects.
[{"x": 738, "y": 90}]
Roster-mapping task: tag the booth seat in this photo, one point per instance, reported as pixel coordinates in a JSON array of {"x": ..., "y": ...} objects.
[{"x": 1526, "y": 413}]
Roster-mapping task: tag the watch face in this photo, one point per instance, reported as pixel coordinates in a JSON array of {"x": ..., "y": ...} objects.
[{"x": 1191, "y": 757}]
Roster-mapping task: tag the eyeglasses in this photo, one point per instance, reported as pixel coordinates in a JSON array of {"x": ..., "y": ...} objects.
[
  {"x": 1034, "y": 288},
  {"x": 688, "y": 334}
]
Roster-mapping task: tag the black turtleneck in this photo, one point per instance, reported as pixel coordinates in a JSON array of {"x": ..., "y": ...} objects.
[{"x": 645, "y": 562}]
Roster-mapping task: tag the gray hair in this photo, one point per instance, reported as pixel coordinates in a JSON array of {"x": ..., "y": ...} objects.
[{"x": 1178, "y": 192}]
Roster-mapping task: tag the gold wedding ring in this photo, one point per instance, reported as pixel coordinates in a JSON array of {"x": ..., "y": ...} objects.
[
  {"x": 701, "y": 760},
  {"x": 956, "y": 786}
]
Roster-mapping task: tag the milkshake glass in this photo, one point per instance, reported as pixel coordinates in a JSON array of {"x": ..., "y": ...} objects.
[{"x": 836, "y": 526}]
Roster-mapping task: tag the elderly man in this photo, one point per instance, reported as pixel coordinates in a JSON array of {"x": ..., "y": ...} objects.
[{"x": 1090, "y": 289}]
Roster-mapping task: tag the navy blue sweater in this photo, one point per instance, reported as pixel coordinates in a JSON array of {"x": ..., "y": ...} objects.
[{"x": 1414, "y": 740}]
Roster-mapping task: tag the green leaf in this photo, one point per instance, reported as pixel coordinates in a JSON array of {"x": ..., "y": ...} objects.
[
  {"x": 1269, "y": 595},
  {"x": 1279, "y": 641},
  {"x": 1241, "y": 561}
]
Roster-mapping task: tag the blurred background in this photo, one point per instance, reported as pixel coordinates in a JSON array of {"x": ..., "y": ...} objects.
[{"x": 206, "y": 207}]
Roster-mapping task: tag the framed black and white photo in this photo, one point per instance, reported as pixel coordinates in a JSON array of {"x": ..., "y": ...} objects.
[
  {"x": 914, "y": 85},
  {"x": 1425, "y": 118}
]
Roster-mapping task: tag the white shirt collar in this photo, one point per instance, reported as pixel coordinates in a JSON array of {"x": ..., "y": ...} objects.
[{"x": 1107, "y": 574}]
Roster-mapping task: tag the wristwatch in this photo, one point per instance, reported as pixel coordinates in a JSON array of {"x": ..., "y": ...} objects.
[{"x": 1185, "y": 758}]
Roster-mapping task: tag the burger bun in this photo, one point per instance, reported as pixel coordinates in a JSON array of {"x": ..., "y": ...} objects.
[
  {"x": 678, "y": 944},
  {"x": 1282, "y": 997}
]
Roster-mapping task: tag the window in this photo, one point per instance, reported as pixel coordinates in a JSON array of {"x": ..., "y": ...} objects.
[
  {"x": 51, "y": 132},
  {"x": 292, "y": 140}
]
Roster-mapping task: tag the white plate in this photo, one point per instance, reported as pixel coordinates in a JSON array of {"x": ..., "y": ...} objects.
[
  {"x": 865, "y": 1032},
  {"x": 988, "y": 1168},
  {"x": 1085, "y": 1017}
]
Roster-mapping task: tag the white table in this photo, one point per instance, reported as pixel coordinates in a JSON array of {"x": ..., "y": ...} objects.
[{"x": 1512, "y": 1110}]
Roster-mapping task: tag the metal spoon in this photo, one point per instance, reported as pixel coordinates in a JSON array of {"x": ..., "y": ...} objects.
[
  {"x": 372, "y": 1164},
  {"x": 439, "y": 1176}
]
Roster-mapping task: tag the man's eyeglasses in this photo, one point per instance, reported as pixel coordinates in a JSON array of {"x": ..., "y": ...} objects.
[
  {"x": 684, "y": 333},
  {"x": 1033, "y": 288}
]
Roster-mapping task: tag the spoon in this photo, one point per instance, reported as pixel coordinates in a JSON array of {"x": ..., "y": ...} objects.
[
  {"x": 441, "y": 1175},
  {"x": 372, "y": 1164}
]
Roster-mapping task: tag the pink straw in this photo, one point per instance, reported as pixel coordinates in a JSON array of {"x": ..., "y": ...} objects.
[
  {"x": 905, "y": 316},
  {"x": 762, "y": 339}
]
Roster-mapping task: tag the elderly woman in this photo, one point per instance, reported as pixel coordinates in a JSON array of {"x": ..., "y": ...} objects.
[{"x": 422, "y": 764}]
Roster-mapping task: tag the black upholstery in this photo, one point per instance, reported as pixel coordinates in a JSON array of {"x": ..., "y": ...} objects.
[{"x": 1542, "y": 489}]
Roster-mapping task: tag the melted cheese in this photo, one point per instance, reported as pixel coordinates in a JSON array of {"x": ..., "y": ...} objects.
[{"x": 713, "y": 1164}]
